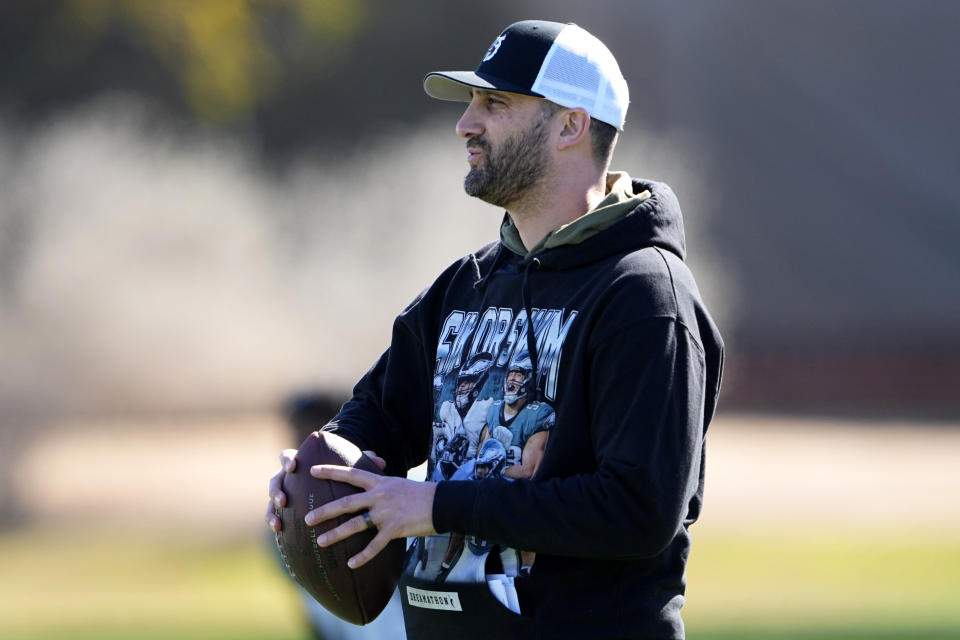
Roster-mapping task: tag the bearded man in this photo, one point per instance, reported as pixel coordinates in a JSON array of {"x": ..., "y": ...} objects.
[{"x": 589, "y": 276}]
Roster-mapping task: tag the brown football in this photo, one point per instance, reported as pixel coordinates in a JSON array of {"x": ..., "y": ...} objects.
[{"x": 355, "y": 595}]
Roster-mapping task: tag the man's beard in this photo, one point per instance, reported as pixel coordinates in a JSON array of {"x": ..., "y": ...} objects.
[{"x": 504, "y": 176}]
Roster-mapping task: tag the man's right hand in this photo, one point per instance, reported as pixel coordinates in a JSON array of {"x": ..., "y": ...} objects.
[{"x": 288, "y": 463}]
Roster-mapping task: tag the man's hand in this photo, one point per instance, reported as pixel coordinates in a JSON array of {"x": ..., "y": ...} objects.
[
  {"x": 399, "y": 508},
  {"x": 278, "y": 499}
]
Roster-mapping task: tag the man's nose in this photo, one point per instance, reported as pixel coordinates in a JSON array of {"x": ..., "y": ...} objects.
[{"x": 469, "y": 125}]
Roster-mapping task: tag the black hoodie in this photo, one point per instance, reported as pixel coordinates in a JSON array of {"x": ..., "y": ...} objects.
[{"x": 625, "y": 365}]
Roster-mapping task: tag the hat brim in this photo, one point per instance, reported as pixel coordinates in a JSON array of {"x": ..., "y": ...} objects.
[{"x": 456, "y": 85}]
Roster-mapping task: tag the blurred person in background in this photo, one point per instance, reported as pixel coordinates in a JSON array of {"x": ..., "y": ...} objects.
[{"x": 588, "y": 278}]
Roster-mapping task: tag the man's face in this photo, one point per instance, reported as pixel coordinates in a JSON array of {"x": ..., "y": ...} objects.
[
  {"x": 462, "y": 397},
  {"x": 511, "y": 387},
  {"x": 465, "y": 386},
  {"x": 507, "y": 147}
]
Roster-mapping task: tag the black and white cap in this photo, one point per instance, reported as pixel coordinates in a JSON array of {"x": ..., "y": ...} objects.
[{"x": 560, "y": 62}]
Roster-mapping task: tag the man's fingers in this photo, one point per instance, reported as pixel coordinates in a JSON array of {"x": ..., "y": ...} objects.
[
  {"x": 356, "y": 477},
  {"x": 288, "y": 460},
  {"x": 352, "y": 526},
  {"x": 271, "y": 517},
  {"x": 277, "y": 496},
  {"x": 278, "y": 499},
  {"x": 400, "y": 508},
  {"x": 376, "y": 546},
  {"x": 380, "y": 462},
  {"x": 346, "y": 504}
]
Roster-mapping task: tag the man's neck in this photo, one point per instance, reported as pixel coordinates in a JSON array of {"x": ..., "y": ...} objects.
[{"x": 554, "y": 204}]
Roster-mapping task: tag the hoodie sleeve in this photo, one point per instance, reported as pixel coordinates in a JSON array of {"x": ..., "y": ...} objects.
[{"x": 646, "y": 390}]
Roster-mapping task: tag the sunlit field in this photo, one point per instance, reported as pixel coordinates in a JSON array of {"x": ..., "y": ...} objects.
[
  {"x": 820, "y": 584},
  {"x": 831, "y": 570},
  {"x": 59, "y": 584}
]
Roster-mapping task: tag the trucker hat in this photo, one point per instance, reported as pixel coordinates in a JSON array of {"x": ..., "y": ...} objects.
[{"x": 560, "y": 62}]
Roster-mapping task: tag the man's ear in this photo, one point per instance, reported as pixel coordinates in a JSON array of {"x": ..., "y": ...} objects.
[{"x": 576, "y": 124}]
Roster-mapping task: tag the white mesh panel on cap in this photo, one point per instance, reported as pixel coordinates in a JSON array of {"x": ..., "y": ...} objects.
[{"x": 579, "y": 71}]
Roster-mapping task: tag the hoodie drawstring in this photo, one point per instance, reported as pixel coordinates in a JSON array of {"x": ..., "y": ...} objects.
[
  {"x": 531, "y": 338},
  {"x": 481, "y": 280}
]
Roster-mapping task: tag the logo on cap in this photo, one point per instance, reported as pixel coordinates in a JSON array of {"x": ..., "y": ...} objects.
[{"x": 492, "y": 51}]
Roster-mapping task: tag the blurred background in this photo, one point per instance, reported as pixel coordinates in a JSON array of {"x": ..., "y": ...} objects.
[{"x": 211, "y": 207}]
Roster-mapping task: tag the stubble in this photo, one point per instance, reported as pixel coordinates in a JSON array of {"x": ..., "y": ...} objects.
[{"x": 505, "y": 175}]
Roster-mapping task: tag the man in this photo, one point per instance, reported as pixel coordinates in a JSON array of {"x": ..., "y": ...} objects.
[
  {"x": 528, "y": 421},
  {"x": 460, "y": 421},
  {"x": 588, "y": 278}
]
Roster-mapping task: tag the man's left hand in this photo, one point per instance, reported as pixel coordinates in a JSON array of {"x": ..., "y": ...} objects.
[{"x": 399, "y": 508}]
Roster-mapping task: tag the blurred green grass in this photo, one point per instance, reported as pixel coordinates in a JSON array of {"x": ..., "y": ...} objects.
[
  {"x": 87, "y": 585},
  {"x": 59, "y": 583},
  {"x": 805, "y": 583}
]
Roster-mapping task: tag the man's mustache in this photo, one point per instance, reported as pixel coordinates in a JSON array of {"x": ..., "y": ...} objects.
[{"x": 478, "y": 143}]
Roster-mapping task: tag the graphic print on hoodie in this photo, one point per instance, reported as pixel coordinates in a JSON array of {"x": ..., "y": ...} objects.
[{"x": 493, "y": 415}]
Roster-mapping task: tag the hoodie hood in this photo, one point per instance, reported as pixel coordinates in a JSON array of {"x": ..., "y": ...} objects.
[{"x": 636, "y": 213}]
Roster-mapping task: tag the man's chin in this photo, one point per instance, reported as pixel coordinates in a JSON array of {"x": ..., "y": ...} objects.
[
  {"x": 474, "y": 186},
  {"x": 485, "y": 197},
  {"x": 478, "y": 186}
]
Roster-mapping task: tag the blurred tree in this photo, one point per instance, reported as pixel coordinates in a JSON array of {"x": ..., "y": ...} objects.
[
  {"x": 221, "y": 55},
  {"x": 292, "y": 74}
]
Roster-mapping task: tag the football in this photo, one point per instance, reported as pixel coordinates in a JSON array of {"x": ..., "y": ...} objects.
[{"x": 355, "y": 595}]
